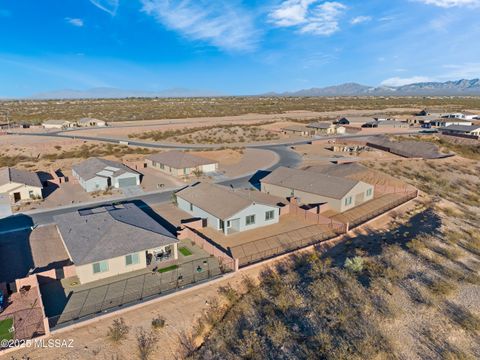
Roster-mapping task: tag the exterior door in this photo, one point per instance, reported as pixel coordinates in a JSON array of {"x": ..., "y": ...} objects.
[{"x": 17, "y": 197}]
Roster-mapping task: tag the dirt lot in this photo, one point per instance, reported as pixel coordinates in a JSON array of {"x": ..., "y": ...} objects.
[{"x": 318, "y": 153}]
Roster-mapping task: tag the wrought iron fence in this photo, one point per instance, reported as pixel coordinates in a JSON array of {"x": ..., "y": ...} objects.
[
  {"x": 393, "y": 204},
  {"x": 133, "y": 290},
  {"x": 261, "y": 251}
]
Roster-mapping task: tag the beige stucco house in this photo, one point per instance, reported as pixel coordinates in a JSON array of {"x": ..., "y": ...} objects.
[
  {"x": 298, "y": 130},
  {"x": 327, "y": 128},
  {"x": 57, "y": 124},
  {"x": 91, "y": 122},
  {"x": 308, "y": 187},
  {"x": 112, "y": 240},
  {"x": 180, "y": 164},
  {"x": 20, "y": 185}
]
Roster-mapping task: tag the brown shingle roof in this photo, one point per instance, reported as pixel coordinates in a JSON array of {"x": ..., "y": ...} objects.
[
  {"x": 224, "y": 202},
  {"x": 8, "y": 175},
  {"x": 308, "y": 181},
  {"x": 179, "y": 159}
]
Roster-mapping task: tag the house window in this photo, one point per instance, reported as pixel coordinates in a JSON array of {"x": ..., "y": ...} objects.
[
  {"x": 191, "y": 207},
  {"x": 162, "y": 166},
  {"x": 250, "y": 220},
  {"x": 132, "y": 259},
  {"x": 348, "y": 201},
  {"x": 369, "y": 192},
  {"x": 269, "y": 215},
  {"x": 100, "y": 267},
  {"x": 30, "y": 194}
]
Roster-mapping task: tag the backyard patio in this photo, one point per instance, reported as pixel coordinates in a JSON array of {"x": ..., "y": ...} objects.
[{"x": 66, "y": 300}]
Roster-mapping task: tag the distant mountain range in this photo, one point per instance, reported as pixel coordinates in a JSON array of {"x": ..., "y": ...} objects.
[
  {"x": 448, "y": 88},
  {"x": 114, "y": 93}
]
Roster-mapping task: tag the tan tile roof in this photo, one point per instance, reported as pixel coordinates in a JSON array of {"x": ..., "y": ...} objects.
[
  {"x": 311, "y": 182},
  {"x": 222, "y": 201},
  {"x": 179, "y": 159}
]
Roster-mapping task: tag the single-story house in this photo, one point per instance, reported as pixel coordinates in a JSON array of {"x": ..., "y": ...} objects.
[
  {"x": 99, "y": 174},
  {"x": 453, "y": 116},
  {"x": 426, "y": 119},
  {"x": 20, "y": 185},
  {"x": 180, "y": 164},
  {"x": 468, "y": 130},
  {"x": 229, "y": 210},
  {"x": 386, "y": 123},
  {"x": 430, "y": 112},
  {"x": 87, "y": 122},
  {"x": 298, "y": 130},
  {"x": 326, "y": 128},
  {"x": 309, "y": 188},
  {"x": 57, "y": 124},
  {"x": 113, "y": 240},
  {"x": 356, "y": 119},
  {"x": 450, "y": 121}
]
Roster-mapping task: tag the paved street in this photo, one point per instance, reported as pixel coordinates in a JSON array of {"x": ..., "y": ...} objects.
[{"x": 287, "y": 158}]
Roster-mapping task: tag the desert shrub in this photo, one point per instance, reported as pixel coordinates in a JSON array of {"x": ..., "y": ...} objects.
[
  {"x": 463, "y": 317},
  {"x": 158, "y": 322},
  {"x": 441, "y": 288},
  {"x": 354, "y": 264},
  {"x": 146, "y": 343},
  {"x": 229, "y": 293},
  {"x": 118, "y": 331}
]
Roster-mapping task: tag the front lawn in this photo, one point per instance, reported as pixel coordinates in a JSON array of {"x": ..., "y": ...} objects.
[
  {"x": 185, "y": 251},
  {"x": 5, "y": 326},
  {"x": 168, "y": 268}
]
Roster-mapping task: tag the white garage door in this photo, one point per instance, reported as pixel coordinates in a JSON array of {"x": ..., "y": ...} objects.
[{"x": 127, "y": 182}]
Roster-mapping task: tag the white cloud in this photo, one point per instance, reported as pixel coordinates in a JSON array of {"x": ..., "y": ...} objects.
[
  {"x": 74, "y": 21},
  {"x": 222, "y": 24},
  {"x": 451, "y": 3},
  {"x": 309, "y": 16},
  {"x": 463, "y": 71},
  {"x": 109, "y": 6},
  {"x": 398, "y": 81},
  {"x": 360, "y": 20}
]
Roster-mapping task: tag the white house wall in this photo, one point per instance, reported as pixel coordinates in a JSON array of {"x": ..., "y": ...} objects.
[
  {"x": 209, "y": 168},
  {"x": 184, "y": 205},
  {"x": 24, "y": 190},
  {"x": 259, "y": 211}
]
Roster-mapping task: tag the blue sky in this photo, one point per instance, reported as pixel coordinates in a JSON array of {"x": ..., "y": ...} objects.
[{"x": 233, "y": 47}]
